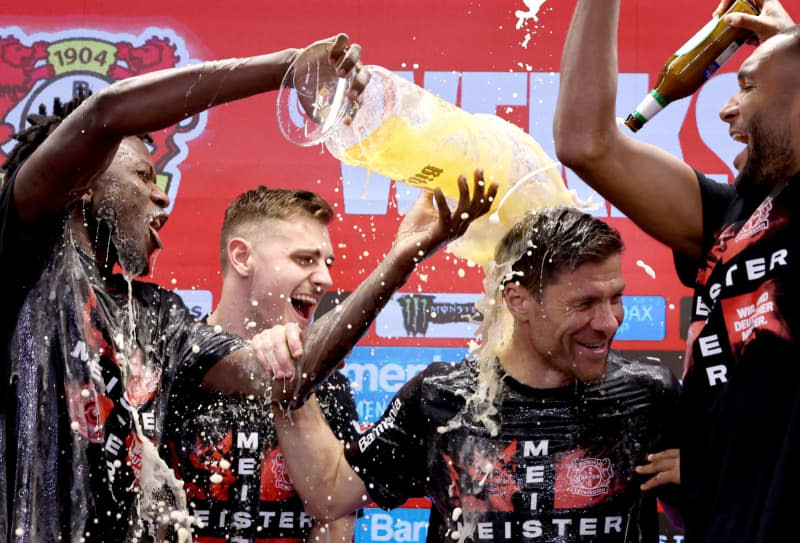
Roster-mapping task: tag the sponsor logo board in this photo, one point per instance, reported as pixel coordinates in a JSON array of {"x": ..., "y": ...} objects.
[
  {"x": 433, "y": 315},
  {"x": 453, "y": 315},
  {"x": 645, "y": 318},
  {"x": 377, "y": 373},
  {"x": 199, "y": 302},
  {"x": 397, "y": 525}
]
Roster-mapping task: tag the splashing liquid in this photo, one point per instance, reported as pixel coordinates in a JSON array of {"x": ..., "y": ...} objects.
[
  {"x": 154, "y": 473},
  {"x": 532, "y": 13},
  {"x": 403, "y": 132}
]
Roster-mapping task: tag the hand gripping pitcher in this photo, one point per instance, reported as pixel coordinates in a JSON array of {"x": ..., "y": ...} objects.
[{"x": 405, "y": 133}]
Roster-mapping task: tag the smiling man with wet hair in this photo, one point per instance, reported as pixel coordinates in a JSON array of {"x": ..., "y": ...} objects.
[{"x": 536, "y": 435}]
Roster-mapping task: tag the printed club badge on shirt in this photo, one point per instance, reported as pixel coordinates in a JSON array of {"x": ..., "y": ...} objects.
[
  {"x": 276, "y": 484},
  {"x": 582, "y": 481}
]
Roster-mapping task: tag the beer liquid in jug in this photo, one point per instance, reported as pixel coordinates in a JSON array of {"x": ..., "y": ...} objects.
[
  {"x": 693, "y": 64},
  {"x": 408, "y": 134}
]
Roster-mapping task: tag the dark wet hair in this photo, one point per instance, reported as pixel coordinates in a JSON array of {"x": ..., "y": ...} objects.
[
  {"x": 551, "y": 240},
  {"x": 41, "y": 126},
  {"x": 265, "y": 203}
]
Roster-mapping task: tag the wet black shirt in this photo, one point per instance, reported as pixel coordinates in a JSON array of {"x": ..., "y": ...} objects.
[
  {"x": 740, "y": 410},
  {"x": 89, "y": 363},
  {"x": 560, "y": 467},
  {"x": 227, "y": 453}
]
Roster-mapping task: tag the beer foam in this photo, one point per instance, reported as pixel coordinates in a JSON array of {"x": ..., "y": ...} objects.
[{"x": 155, "y": 476}]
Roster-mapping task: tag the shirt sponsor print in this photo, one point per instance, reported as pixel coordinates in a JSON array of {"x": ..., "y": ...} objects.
[
  {"x": 36, "y": 68},
  {"x": 753, "y": 313}
]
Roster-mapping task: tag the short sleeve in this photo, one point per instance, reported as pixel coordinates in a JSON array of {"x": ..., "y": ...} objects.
[
  {"x": 715, "y": 200},
  {"x": 337, "y": 404},
  {"x": 190, "y": 347},
  {"x": 386, "y": 456}
]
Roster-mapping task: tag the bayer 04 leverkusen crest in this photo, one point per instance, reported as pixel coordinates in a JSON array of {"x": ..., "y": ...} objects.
[{"x": 35, "y": 68}]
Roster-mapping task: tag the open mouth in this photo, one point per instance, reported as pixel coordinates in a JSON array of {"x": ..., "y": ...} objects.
[
  {"x": 597, "y": 347},
  {"x": 741, "y": 157},
  {"x": 738, "y": 136},
  {"x": 156, "y": 223},
  {"x": 304, "y": 306},
  {"x": 156, "y": 238}
]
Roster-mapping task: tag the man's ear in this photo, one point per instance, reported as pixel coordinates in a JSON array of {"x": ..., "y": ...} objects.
[
  {"x": 518, "y": 300},
  {"x": 240, "y": 256}
]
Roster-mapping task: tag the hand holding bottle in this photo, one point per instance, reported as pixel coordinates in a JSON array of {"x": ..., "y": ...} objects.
[
  {"x": 344, "y": 60},
  {"x": 695, "y": 61},
  {"x": 772, "y": 19}
]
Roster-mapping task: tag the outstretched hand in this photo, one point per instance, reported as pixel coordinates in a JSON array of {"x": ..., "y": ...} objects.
[
  {"x": 665, "y": 467},
  {"x": 425, "y": 228},
  {"x": 772, "y": 19}
]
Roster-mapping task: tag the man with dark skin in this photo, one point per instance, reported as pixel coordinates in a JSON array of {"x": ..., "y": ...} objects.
[
  {"x": 94, "y": 360},
  {"x": 734, "y": 244}
]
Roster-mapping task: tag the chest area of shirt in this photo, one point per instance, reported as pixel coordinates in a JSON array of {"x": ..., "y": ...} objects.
[
  {"x": 534, "y": 469},
  {"x": 538, "y": 487},
  {"x": 744, "y": 293},
  {"x": 747, "y": 254}
]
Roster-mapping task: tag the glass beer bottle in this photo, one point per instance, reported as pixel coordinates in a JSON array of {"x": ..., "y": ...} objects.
[{"x": 692, "y": 64}]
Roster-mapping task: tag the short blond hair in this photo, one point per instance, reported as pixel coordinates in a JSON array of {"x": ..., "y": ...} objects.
[{"x": 265, "y": 203}]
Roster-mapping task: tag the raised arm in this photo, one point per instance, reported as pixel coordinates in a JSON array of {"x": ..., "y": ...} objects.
[
  {"x": 658, "y": 191},
  {"x": 316, "y": 460},
  {"x": 62, "y": 168},
  {"x": 423, "y": 231}
]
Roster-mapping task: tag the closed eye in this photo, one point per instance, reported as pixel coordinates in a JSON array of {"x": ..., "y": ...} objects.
[
  {"x": 306, "y": 260},
  {"x": 147, "y": 175}
]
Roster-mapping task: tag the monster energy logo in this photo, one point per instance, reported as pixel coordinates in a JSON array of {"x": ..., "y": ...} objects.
[{"x": 420, "y": 310}]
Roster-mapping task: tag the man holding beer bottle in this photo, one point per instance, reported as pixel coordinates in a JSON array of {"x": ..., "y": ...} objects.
[{"x": 735, "y": 244}]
